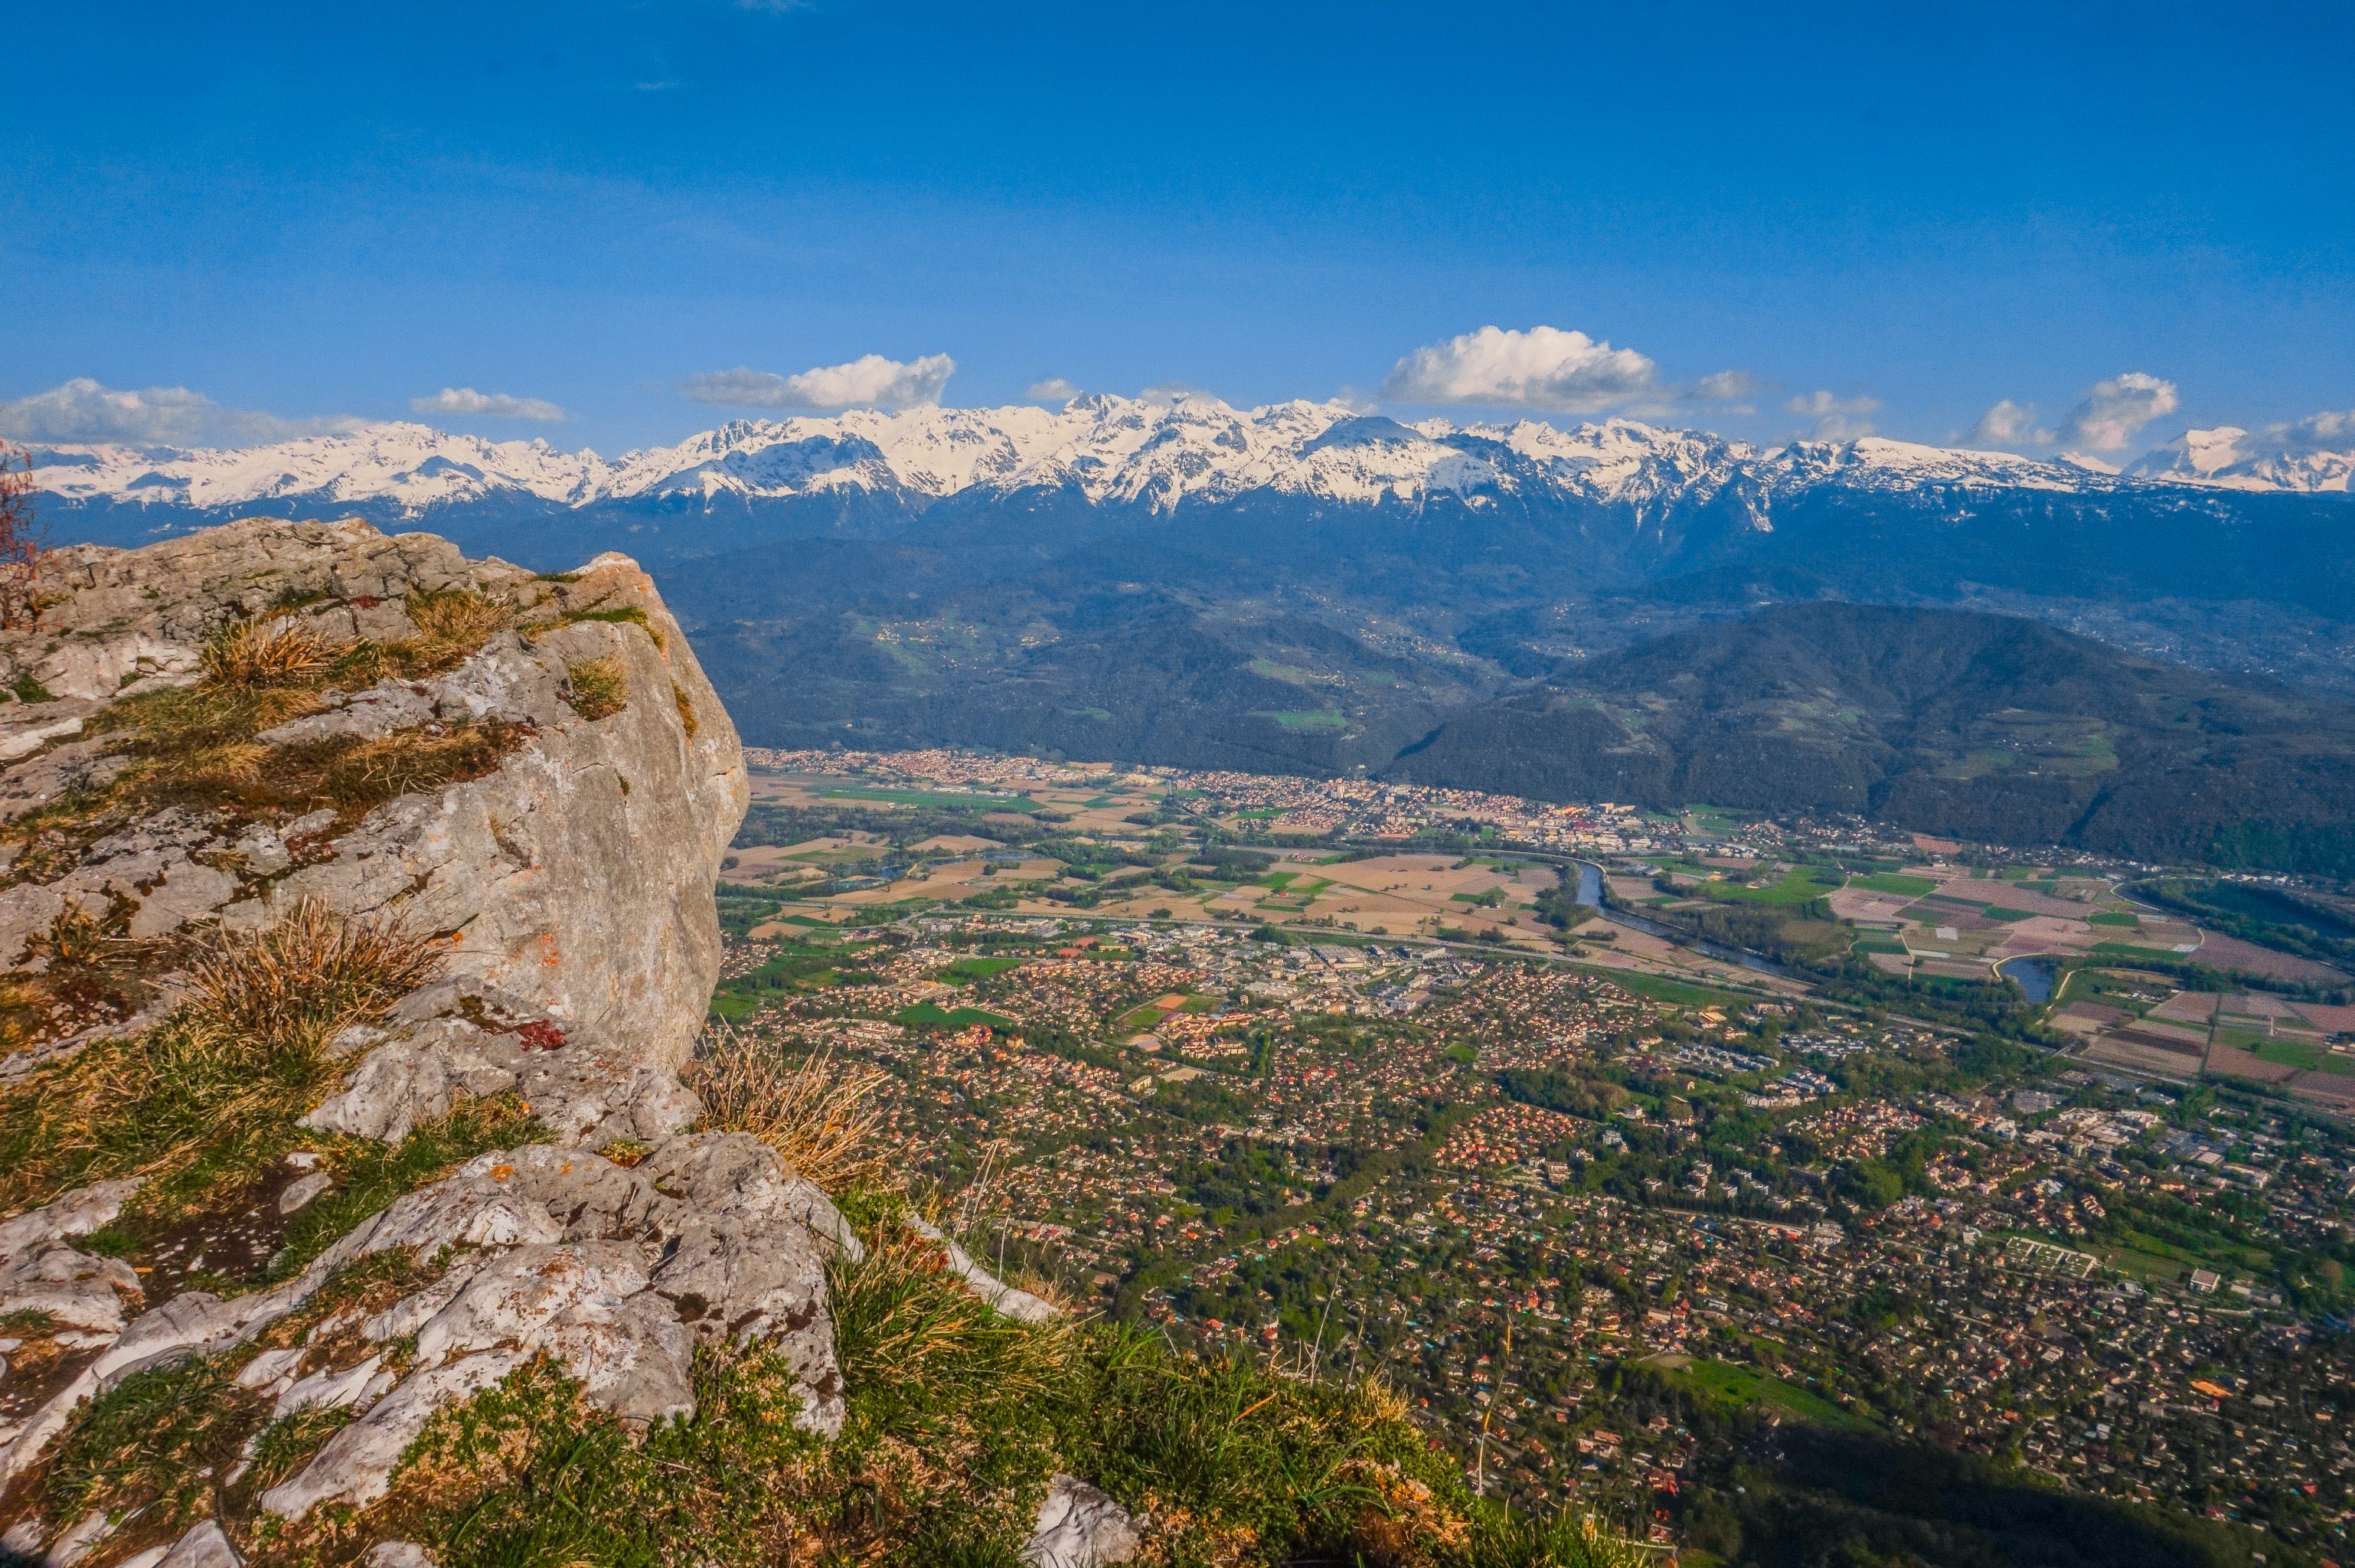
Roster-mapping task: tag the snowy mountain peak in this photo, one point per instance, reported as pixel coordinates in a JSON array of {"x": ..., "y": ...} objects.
[
  {"x": 2315, "y": 453},
  {"x": 1156, "y": 452}
]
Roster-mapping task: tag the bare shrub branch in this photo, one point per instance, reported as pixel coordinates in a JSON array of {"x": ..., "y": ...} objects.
[{"x": 23, "y": 540}]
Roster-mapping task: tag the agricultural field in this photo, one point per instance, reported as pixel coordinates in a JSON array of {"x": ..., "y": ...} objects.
[
  {"x": 1961, "y": 921},
  {"x": 854, "y": 849},
  {"x": 2142, "y": 1021}
]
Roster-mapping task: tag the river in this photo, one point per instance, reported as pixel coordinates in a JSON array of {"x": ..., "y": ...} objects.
[{"x": 1590, "y": 896}]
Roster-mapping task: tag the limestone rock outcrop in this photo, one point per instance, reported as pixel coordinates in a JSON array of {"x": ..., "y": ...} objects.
[
  {"x": 577, "y": 876},
  {"x": 567, "y": 889},
  {"x": 566, "y": 880}
]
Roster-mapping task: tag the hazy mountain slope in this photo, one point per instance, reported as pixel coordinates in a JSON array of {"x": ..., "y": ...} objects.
[
  {"x": 2125, "y": 545},
  {"x": 1986, "y": 725}
]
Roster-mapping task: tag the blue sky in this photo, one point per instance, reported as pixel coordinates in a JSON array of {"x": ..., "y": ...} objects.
[{"x": 1883, "y": 216}]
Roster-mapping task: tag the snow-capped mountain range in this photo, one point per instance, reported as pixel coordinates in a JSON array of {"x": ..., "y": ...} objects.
[{"x": 1134, "y": 453}]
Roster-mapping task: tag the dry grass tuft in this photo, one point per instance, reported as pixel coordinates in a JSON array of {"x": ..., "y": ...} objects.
[
  {"x": 211, "y": 1096},
  {"x": 269, "y": 650},
  {"x": 686, "y": 709},
  {"x": 1403, "y": 1519},
  {"x": 355, "y": 778},
  {"x": 78, "y": 940},
  {"x": 297, "y": 982},
  {"x": 457, "y": 618},
  {"x": 599, "y": 689},
  {"x": 820, "y": 1116}
]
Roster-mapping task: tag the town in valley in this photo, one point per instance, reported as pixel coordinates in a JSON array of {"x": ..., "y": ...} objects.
[{"x": 1627, "y": 1146}]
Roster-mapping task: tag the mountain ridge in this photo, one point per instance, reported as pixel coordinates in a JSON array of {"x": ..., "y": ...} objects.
[
  {"x": 1115, "y": 451},
  {"x": 1991, "y": 727}
]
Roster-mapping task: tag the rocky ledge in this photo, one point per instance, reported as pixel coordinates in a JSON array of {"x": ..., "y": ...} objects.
[{"x": 313, "y": 728}]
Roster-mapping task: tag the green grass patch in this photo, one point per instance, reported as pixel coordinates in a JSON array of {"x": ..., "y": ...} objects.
[
  {"x": 2168, "y": 1259},
  {"x": 2132, "y": 953},
  {"x": 1745, "y": 1388},
  {"x": 735, "y": 1007},
  {"x": 2119, "y": 917},
  {"x": 1896, "y": 882},
  {"x": 152, "y": 1444},
  {"x": 965, "y": 969},
  {"x": 1327, "y": 720},
  {"x": 1660, "y": 990},
  {"x": 2297, "y": 1053},
  {"x": 1997, "y": 911},
  {"x": 2134, "y": 1262},
  {"x": 1797, "y": 886}
]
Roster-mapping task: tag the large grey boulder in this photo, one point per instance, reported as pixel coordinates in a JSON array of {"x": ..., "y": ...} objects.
[
  {"x": 614, "y": 1274},
  {"x": 578, "y": 876}
]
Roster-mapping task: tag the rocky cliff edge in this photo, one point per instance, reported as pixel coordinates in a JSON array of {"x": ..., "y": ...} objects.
[{"x": 275, "y": 744}]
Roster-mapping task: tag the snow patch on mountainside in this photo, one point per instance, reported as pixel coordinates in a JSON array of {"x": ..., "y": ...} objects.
[
  {"x": 2314, "y": 454},
  {"x": 1155, "y": 453}
]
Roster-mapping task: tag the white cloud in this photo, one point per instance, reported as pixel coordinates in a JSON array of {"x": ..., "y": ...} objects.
[
  {"x": 487, "y": 405},
  {"x": 1728, "y": 386},
  {"x": 869, "y": 381},
  {"x": 1836, "y": 417},
  {"x": 2114, "y": 411},
  {"x": 84, "y": 410},
  {"x": 1054, "y": 389},
  {"x": 1543, "y": 368},
  {"x": 2333, "y": 432},
  {"x": 2008, "y": 426},
  {"x": 1173, "y": 393}
]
